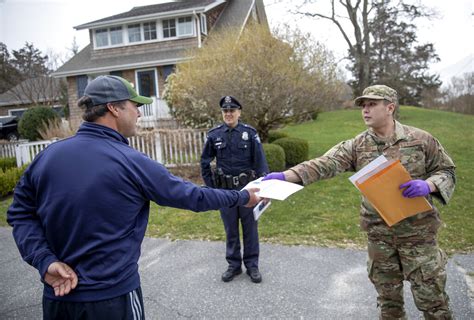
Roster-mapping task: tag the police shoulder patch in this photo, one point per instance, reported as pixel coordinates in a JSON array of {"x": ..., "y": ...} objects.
[
  {"x": 257, "y": 138},
  {"x": 249, "y": 127},
  {"x": 215, "y": 128}
]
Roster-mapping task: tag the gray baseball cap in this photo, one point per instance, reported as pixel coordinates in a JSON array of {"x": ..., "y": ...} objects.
[
  {"x": 377, "y": 92},
  {"x": 105, "y": 89}
]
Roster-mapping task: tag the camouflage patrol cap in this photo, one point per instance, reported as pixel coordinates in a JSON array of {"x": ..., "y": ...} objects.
[{"x": 377, "y": 92}]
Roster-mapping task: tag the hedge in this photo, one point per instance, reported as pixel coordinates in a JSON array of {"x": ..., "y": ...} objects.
[
  {"x": 7, "y": 163},
  {"x": 9, "y": 179},
  {"x": 275, "y": 157},
  {"x": 296, "y": 150},
  {"x": 275, "y": 135}
]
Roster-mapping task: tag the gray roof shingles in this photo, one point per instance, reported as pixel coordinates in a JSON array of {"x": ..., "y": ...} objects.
[
  {"x": 234, "y": 15},
  {"x": 155, "y": 8}
]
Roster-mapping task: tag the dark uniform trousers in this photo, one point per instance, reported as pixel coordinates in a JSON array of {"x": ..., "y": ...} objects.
[
  {"x": 230, "y": 217},
  {"x": 125, "y": 307}
]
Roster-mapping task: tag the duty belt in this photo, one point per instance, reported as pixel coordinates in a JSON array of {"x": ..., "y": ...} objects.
[{"x": 228, "y": 181}]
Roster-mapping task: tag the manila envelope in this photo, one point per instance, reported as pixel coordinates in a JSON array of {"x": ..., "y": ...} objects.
[{"x": 382, "y": 190}]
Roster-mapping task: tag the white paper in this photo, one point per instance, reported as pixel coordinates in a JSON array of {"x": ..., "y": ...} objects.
[
  {"x": 259, "y": 208},
  {"x": 274, "y": 189},
  {"x": 371, "y": 166}
]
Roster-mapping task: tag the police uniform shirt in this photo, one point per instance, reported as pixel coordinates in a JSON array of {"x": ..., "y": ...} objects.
[{"x": 236, "y": 150}]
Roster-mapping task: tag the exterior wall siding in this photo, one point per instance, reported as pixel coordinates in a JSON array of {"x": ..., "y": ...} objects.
[
  {"x": 213, "y": 15},
  {"x": 145, "y": 48}
]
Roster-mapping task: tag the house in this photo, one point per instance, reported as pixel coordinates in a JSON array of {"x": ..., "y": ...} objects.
[
  {"x": 31, "y": 92},
  {"x": 144, "y": 45}
]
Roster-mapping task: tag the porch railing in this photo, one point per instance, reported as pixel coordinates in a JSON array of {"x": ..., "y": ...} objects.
[
  {"x": 7, "y": 149},
  {"x": 26, "y": 152},
  {"x": 169, "y": 147}
]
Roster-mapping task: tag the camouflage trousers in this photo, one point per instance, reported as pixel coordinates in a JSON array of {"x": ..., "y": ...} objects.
[{"x": 408, "y": 253}]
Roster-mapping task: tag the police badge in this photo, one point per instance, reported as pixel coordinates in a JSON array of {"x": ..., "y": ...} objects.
[{"x": 245, "y": 136}]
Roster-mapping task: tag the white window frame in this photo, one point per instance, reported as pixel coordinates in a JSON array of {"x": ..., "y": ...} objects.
[
  {"x": 185, "y": 26},
  {"x": 104, "y": 31},
  {"x": 158, "y": 28},
  {"x": 156, "y": 80},
  {"x": 178, "y": 34},
  {"x": 203, "y": 20},
  {"x": 140, "y": 32},
  {"x": 18, "y": 109},
  {"x": 121, "y": 35},
  {"x": 169, "y": 29},
  {"x": 150, "y": 31}
]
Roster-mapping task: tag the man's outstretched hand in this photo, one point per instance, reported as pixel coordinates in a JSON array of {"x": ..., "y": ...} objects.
[
  {"x": 254, "y": 199},
  {"x": 61, "y": 277},
  {"x": 275, "y": 176}
]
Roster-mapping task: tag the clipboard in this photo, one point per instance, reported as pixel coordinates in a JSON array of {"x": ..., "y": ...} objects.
[{"x": 381, "y": 187}]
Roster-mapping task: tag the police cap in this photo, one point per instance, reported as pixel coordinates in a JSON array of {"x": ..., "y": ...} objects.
[{"x": 229, "y": 102}]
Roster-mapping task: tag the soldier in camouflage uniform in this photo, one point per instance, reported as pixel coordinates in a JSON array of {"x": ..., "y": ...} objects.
[{"x": 408, "y": 250}]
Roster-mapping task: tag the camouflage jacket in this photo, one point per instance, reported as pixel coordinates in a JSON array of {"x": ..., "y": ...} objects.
[{"x": 419, "y": 152}]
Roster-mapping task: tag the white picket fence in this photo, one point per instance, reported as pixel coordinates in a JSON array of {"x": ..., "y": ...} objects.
[
  {"x": 26, "y": 152},
  {"x": 7, "y": 149},
  {"x": 172, "y": 148}
]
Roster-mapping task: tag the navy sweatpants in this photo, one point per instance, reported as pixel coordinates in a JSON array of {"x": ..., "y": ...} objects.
[{"x": 125, "y": 307}]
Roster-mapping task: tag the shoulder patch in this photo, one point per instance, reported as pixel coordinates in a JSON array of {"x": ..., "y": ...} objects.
[
  {"x": 215, "y": 128},
  {"x": 249, "y": 127}
]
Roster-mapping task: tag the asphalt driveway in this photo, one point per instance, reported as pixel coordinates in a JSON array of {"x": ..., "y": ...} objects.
[{"x": 181, "y": 280}]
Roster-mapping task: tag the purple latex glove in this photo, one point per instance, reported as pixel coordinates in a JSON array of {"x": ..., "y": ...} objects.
[
  {"x": 415, "y": 188},
  {"x": 275, "y": 176}
]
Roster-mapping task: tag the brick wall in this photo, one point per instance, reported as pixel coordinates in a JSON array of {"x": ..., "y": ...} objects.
[{"x": 75, "y": 113}]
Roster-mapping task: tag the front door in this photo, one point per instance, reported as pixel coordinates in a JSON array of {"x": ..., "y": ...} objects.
[{"x": 146, "y": 83}]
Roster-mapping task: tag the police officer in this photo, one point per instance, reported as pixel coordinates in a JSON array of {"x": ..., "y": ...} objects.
[
  {"x": 239, "y": 159},
  {"x": 407, "y": 250}
]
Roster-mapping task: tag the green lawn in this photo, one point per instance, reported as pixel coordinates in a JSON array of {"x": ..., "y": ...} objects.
[{"x": 326, "y": 213}]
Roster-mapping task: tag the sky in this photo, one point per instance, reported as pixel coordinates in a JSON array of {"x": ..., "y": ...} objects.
[{"x": 49, "y": 25}]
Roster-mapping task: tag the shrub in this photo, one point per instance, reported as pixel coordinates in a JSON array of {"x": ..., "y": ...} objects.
[
  {"x": 9, "y": 179},
  {"x": 296, "y": 150},
  {"x": 7, "y": 163},
  {"x": 54, "y": 129},
  {"x": 275, "y": 135},
  {"x": 33, "y": 120},
  {"x": 275, "y": 157}
]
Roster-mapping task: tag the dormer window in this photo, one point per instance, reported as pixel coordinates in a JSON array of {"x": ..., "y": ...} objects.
[
  {"x": 134, "y": 33},
  {"x": 169, "y": 28},
  {"x": 116, "y": 35},
  {"x": 185, "y": 26},
  {"x": 149, "y": 30},
  {"x": 101, "y": 38}
]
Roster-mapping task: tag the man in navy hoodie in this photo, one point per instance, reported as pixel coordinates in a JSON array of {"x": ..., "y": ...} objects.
[{"x": 81, "y": 208}]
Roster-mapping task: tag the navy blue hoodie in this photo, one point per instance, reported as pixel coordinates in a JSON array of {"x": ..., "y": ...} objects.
[{"x": 85, "y": 201}]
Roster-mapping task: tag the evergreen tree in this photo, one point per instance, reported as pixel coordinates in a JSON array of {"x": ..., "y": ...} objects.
[
  {"x": 7, "y": 70},
  {"x": 382, "y": 44},
  {"x": 397, "y": 60}
]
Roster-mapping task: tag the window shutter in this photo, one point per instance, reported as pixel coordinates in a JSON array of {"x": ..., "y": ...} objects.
[
  {"x": 167, "y": 70},
  {"x": 116, "y": 73},
  {"x": 81, "y": 82}
]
